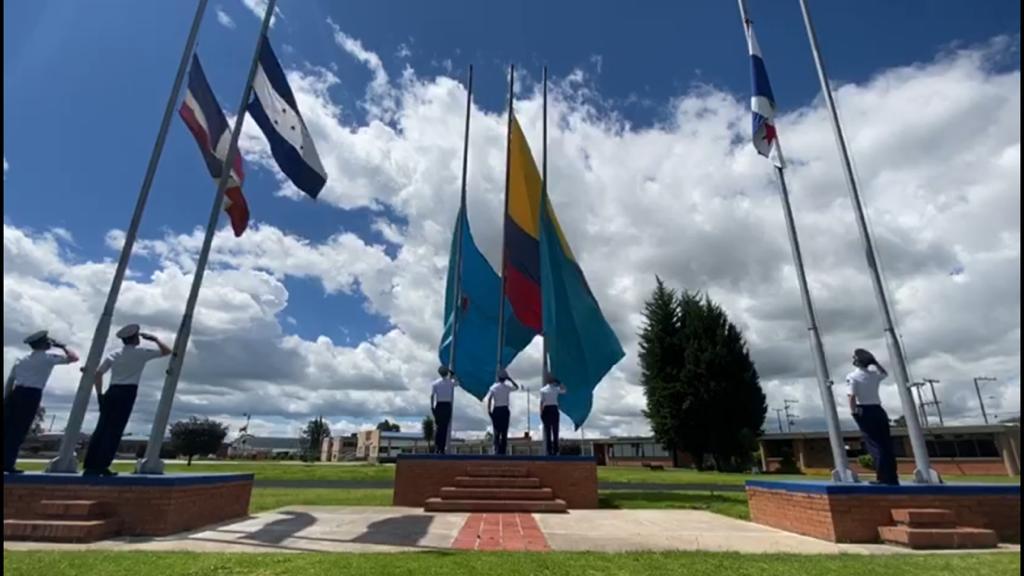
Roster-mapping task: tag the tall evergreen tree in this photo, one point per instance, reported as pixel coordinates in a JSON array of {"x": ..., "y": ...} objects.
[{"x": 703, "y": 391}]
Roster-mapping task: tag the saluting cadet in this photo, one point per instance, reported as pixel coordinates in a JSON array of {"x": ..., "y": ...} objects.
[
  {"x": 549, "y": 413},
  {"x": 125, "y": 367},
  {"x": 24, "y": 390},
  {"x": 497, "y": 406},
  {"x": 871, "y": 418},
  {"x": 442, "y": 393}
]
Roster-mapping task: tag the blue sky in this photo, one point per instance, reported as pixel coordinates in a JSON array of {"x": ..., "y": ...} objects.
[{"x": 85, "y": 84}]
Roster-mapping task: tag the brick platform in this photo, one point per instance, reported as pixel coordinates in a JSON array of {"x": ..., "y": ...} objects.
[
  {"x": 142, "y": 505},
  {"x": 854, "y": 512},
  {"x": 572, "y": 479}
]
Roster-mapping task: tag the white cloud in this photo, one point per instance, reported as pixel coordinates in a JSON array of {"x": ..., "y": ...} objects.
[
  {"x": 937, "y": 149},
  {"x": 403, "y": 51},
  {"x": 224, "y": 19},
  {"x": 259, "y": 9}
]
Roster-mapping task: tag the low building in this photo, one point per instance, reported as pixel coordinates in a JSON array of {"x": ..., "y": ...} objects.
[
  {"x": 379, "y": 446},
  {"x": 264, "y": 447},
  {"x": 637, "y": 451},
  {"x": 339, "y": 448},
  {"x": 989, "y": 450}
]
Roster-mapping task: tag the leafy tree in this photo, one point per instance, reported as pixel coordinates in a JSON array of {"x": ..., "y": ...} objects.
[
  {"x": 429, "y": 428},
  {"x": 195, "y": 437},
  {"x": 388, "y": 426},
  {"x": 313, "y": 436},
  {"x": 703, "y": 391}
]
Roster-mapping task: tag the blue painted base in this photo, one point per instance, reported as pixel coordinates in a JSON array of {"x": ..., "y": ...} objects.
[
  {"x": 124, "y": 480},
  {"x": 834, "y": 488}
]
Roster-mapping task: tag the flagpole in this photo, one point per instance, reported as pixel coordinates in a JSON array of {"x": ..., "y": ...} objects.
[
  {"x": 841, "y": 471},
  {"x": 458, "y": 224},
  {"x": 65, "y": 462},
  {"x": 152, "y": 464},
  {"x": 508, "y": 159},
  {"x": 924, "y": 474},
  {"x": 543, "y": 206}
]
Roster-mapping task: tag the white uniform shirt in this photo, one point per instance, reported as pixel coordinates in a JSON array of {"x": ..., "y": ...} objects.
[
  {"x": 500, "y": 392},
  {"x": 549, "y": 395},
  {"x": 864, "y": 386},
  {"x": 444, "y": 389},
  {"x": 34, "y": 370},
  {"x": 125, "y": 365}
]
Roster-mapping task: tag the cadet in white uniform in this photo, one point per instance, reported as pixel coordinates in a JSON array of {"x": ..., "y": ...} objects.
[
  {"x": 549, "y": 413},
  {"x": 442, "y": 393},
  {"x": 125, "y": 367},
  {"x": 871, "y": 418},
  {"x": 24, "y": 391},
  {"x": 497, "y": 406}
]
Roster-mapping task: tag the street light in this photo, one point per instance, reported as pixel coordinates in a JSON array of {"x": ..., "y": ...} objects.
[{"x": 977, "y": 388}]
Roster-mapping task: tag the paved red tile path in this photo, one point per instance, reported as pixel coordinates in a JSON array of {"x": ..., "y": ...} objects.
[{"x": 506, "y": 532}]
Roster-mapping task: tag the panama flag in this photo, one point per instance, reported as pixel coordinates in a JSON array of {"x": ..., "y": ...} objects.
[
  {"x": 274, "y": 110},
  {"x": 762, "y": 103},
  {"x": 205, "y": 119}
]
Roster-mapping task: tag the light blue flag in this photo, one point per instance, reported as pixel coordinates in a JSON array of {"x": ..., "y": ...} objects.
[
  {"x": 477, "y": 335},
  {"x": 582, "y": 347}
]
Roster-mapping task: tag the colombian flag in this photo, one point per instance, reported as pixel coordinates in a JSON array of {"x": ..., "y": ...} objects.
[{"x": 522, "y": 232}]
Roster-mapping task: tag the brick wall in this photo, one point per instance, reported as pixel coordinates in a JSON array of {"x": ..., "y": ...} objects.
[
  {"x": 856, "y": 517},
  {"x": 573, "y": 480},
  {"x": 144, "y": 510}
]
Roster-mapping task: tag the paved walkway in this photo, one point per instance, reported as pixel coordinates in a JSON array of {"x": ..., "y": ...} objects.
[
  {"x": 388, "y": 484},
  {"x": 393, "y": 529}
]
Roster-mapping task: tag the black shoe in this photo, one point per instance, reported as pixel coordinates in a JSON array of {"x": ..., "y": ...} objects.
[
  {"x": 14, "y": 471},
  {"x": 108, "y": 473},
  {"x": 91, "y": 473}
]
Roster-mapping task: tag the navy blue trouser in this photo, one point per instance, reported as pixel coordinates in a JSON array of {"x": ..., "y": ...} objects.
[
  {"x": 442, "y": 420},
  {"x": 549, "y": 415},
  {"x": 20, "y": 409},
  {"x": 874, "y": 424},
  {"x": 115, "y": 409},
  {"x": 499, "y": 421}
]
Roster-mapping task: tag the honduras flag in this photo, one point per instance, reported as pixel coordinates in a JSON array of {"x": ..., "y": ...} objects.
[
  {"x": 203, "y": 116},
  {"x": 762, "y": 103},
  {"x": 274, "y": 110}
]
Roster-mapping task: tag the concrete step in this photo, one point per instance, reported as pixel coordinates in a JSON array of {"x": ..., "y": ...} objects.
[
  {"x": 924, "y": 517},
  {"x": 497, "y": 494},
  {"x": 939, "y": 538},
  {"x": 495, "y": 472},
  {"x": 71, "y": 509},
  {"x": 491, "y": 482},
  {"x": 73, "y": 531},
  {"x": 439, "y": 505}
]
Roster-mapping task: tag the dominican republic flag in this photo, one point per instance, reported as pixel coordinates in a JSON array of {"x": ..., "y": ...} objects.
[
  {"x": 762, "y": 103},
  {"x": 205, "y": 119},
  {"x": 274, "y": 110}
]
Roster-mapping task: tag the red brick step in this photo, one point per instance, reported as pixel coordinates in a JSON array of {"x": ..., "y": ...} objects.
[
  {"x": 924, "y": 517},
  {"x": 73, "y": 531},
  {"x": 492, "y": 482},
  {"x": 440, "y": 505},
  {"x": 493, "y": 472},
  {"x": 497, "y": 494},
  {"x": 939, "y": 538}
]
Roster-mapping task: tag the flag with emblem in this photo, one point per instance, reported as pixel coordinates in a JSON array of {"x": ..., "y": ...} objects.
[
  {"x": 762, "y": 103},
  {"x": 274, "y": 109},
  {"x": 204, "y": 117}
]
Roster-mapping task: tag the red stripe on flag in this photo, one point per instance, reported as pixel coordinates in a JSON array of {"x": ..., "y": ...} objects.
[{"x": 524, "y": 295}]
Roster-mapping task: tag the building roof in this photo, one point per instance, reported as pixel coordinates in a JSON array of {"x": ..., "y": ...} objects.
[{"x": 930, "y": 431}]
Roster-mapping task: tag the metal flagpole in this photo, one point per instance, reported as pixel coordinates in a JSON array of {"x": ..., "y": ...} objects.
[
  {"x": 65, "y": 462},
  {"x": 543, "y": 206},
  {"x": 924, "y": 474},
  {"x": 841, "y": 471},
  {"x": 152, "y": 464},
  {"x": 508, "y": 159},
  {"x": 457, "y": 307}
]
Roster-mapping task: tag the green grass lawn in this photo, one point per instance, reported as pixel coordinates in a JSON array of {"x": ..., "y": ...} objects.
[
  {"x": 284, "y": 471},
  {"x": 732, "y": 505},
  {"x": 504, "y": 564},
  {"x": 264, "y": 499}
]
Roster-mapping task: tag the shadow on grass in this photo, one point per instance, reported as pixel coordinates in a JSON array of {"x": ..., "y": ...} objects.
[{"x": 732, "y": 505}]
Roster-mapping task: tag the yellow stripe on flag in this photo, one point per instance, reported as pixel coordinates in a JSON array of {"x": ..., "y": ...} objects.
[{"x": 524, "y": 184}]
